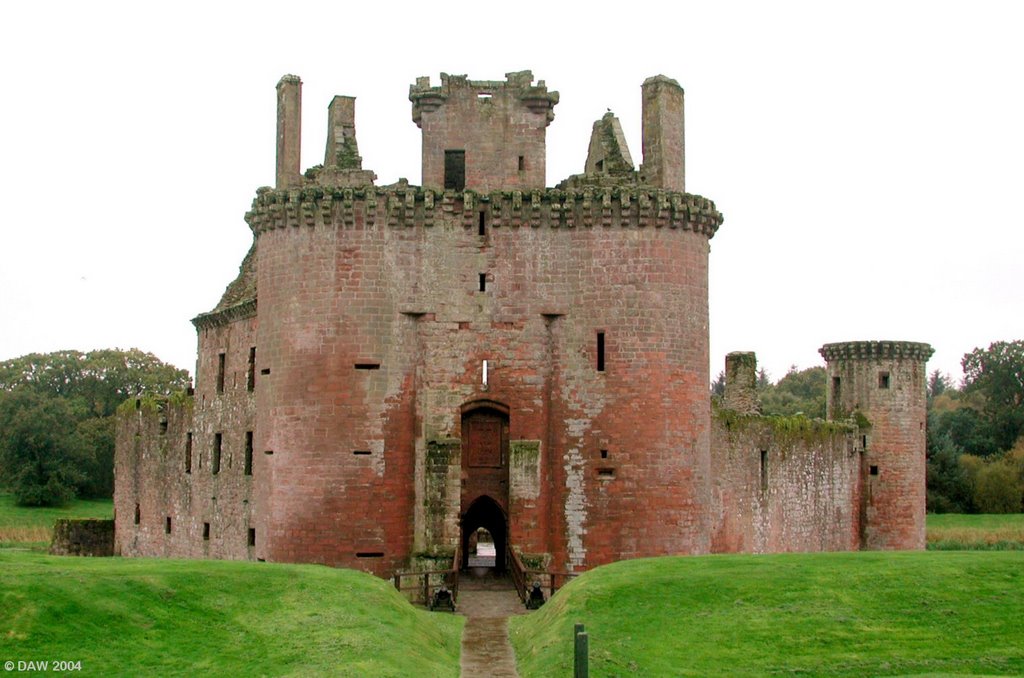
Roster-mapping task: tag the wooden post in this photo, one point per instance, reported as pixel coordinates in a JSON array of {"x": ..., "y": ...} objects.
[{"x": 581, "y": 653}]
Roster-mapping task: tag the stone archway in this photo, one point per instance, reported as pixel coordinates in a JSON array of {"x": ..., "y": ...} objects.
[
  {"x": 485, "y": 513},
  {"x": 485, "y": 456}
]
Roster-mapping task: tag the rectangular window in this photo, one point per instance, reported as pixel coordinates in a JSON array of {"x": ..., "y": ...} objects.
[
  {"x": 522, "y": 163},
  {"x": 251, "y": 379},
  {"x": 483, "y": 282},
  {"x": 604, "y": 454},
  {"x": 455, "y": 170},
  {"x": 248, "y": 453},
  {"x": 600, "y": 351},
  {"x": 367, "y": 366},
  {"x": 188, "y": 452},
  {"x": 883, "y": 380},
  {"x": 218, "y": 440},
  {"x": 167, "y": 525},
  {"x": 606, "y": 473},
  {"x": 764, "y": 470},
  {"x": 206, "y": 531},
  {"x": 221, "y": 360},
  {"x": 482, "y": 224},
  {"x": 252, "y": 536},
  {"x": 873, "y": 470},
  {"x": 369, "y": 554},
  {"x": 360, "y": 452},
  {"x": 138, "y": 514}
]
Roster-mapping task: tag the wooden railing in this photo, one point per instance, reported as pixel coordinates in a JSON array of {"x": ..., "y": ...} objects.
[
  {"x": 524, "y": 578},
  {"x": 423, "y": 583}
]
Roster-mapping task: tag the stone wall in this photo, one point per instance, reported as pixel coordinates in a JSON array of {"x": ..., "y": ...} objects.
[
  {"x": 783, "y": 484},
  {"x": 82, "y": 538}
]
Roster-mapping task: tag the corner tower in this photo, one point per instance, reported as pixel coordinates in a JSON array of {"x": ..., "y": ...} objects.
[
  {"x": 483, "y": 135},
  {"x": 885, "y": 381}
]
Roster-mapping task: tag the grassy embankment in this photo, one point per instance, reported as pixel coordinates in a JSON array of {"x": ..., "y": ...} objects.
[
  {"x": 843, "y": 614},
  {"x": 136, "y": 617},
  {"x": 32, "y": 528},
  {"x": 956, "y": 531}
]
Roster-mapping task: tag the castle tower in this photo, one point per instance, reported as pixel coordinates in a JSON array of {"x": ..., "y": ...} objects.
[
  {"x": 885, "y": 382},
  {"x": 483, "y": 135}
]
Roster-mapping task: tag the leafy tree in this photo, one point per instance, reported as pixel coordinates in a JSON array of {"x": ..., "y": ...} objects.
[
  {"x": 938, "y": 383},
  {"x": 997, "y": 487},
  {"x": 718, "y": 386},
  {"x": 997, "y": 375},
  {"x": 40, "y": 453},
  {"x": 84, "y": 390},
  {"x": 798, "y": 391},
  {"x": 102, "y": 379},
  {"x": 949, "y": 486}
]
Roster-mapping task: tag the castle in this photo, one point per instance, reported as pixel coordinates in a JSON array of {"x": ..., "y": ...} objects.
[{"x": 398, "y": 366}]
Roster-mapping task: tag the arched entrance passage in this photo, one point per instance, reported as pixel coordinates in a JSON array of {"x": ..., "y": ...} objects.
[
  {"x": 485, "y": 513},
  {"x": 485, "y": 475}
]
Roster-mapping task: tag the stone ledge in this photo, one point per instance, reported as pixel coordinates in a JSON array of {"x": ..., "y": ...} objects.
[{"x": 240, "y": 311}]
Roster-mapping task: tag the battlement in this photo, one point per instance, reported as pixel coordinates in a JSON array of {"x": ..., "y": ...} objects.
[
  {"x": 876, "y": 350},
  {"x": 408, "y": 206}
]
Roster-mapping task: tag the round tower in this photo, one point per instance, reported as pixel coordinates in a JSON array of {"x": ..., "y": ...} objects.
[{"x": 884, "y": 381}]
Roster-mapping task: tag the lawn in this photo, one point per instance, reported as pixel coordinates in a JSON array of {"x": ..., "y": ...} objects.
[
  {"x": 32, "y": 527},
  {"x": 135, "y": 617},
  {"x": 841, "y": 614}
]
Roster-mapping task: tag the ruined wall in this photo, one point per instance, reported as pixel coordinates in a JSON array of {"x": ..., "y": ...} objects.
[
  {"x": 174, "y": 494},
  {"x": 783, "y": 484},
  {"x": 82, "y": 537}
]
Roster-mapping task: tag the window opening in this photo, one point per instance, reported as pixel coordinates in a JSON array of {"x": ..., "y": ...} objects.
[
  {"x": 167, "y": 525},
  {"x": 221, "y": 361},
  {"x": 206, "y": 531},
  {"x": 522, "y": 163},
  {"x": 883, "y": 380},
  {"x": 455, "y": 170},
  {"x": 369, "y": 554},
  {"x": 360, "y": 452},
  {"x": 251, "y": 379},
  {"x": 248, "y": 453},
  {"x": 874, "y": 470},
  {"x": 764, "y": 470},
  {"x": 188, "y": 452},
  {"x": 252, "y": 536},
  {"x": 367, "y": 366},
  {"x": 138, "y": 514},
  {"x": 482, "y": 224},
  {"x": 604, "y": 454},
  {"x": 600, "y": 351},
  {"x": 218, "y": 439},
  {"x": 606, "y": 473},
  {"x": 483, "y": 282}
]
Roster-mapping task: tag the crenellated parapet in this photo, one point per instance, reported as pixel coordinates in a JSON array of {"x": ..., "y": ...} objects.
[
  {"x": 876, "y": 350},
  {"x": 408, "y": 206}
]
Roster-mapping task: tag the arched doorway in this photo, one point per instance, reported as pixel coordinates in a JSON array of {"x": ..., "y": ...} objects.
[
  {"x": 485, "y": 426},
  {"x": 486, "y": 514}
]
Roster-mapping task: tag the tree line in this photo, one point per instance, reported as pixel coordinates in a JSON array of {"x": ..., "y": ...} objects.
[
  {"x": 975, "y": 431},
  {"x": 57, "y": 419}
]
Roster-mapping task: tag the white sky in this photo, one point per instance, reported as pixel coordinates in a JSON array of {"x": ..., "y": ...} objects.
[{"x": 867, "y": 155}]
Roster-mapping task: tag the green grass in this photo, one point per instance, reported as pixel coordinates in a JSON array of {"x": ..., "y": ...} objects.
[
  {"x": 842, "y": 614},
  {"x": 987, "y": 532},
  {"x": 32, "y": 527},
  {"x": 170, "y": 617}
]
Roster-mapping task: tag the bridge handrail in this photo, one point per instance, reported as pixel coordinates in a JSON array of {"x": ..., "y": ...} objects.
[
  {"x": 521, "y": 575},
  {"x": 451, "y": 578}
]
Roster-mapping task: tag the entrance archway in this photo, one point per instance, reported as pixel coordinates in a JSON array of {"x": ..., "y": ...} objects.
[
  {"x": 485, "y": 426},
  {"x": 485, "y": 513}
]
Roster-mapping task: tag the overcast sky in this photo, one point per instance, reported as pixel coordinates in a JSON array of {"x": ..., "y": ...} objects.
[{"x": 867, "y": 155}]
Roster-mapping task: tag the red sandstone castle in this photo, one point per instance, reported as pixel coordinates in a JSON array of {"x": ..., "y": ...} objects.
[{"x": 397, "y": 366}]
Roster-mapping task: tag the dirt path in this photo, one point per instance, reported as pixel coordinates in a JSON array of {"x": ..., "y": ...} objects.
[{"x": 487, "y": 604}]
